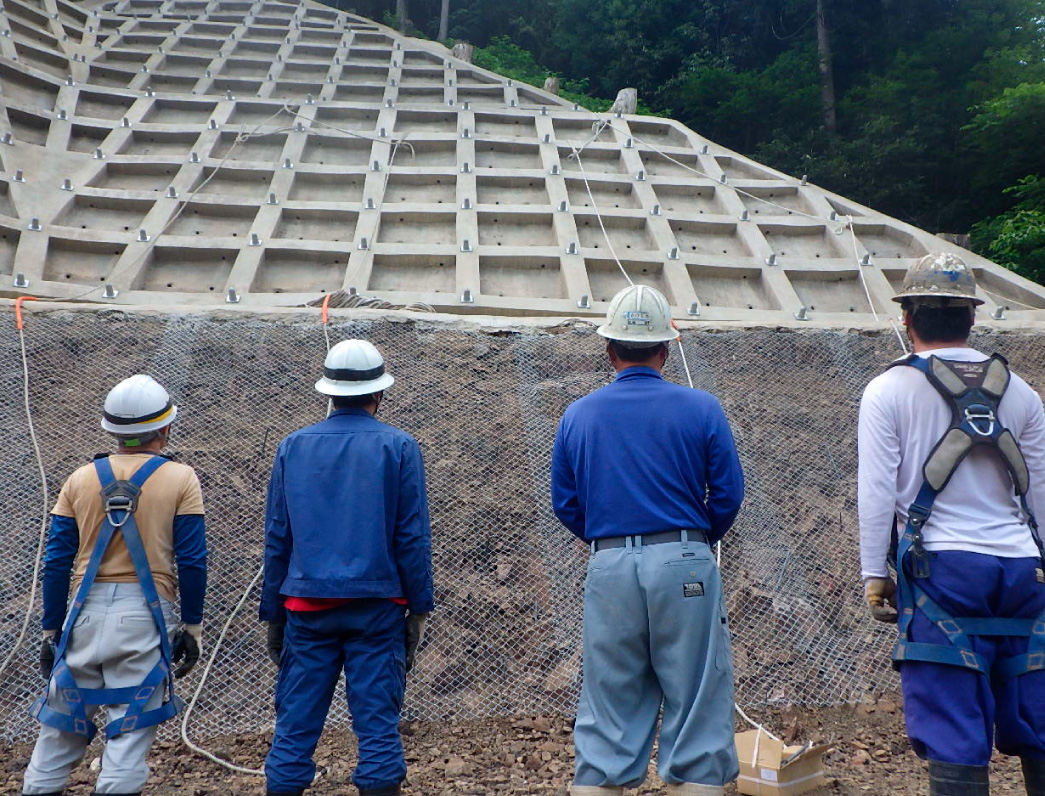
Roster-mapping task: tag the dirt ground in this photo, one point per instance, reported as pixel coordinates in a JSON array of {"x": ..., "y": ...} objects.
[{"x": 531, "y": 755}]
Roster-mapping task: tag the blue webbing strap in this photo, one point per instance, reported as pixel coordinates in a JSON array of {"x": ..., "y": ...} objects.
[{"x": 136, "y": 697}]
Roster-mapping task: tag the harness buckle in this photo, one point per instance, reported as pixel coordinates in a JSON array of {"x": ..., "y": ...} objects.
[
  {"x": 918, "y": 516},
  {"x": 120, "y": 497},
  {"x": 919, "y": 557},
  {"x": 976, "y": 415}
]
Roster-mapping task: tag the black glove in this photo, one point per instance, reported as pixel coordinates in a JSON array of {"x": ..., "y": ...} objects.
[
  {"x": 48, "y": 650},
  {"x": 185, "y": 651},
  {"x": 415, "y": 630},
  {"x": 274, "y": 642}
]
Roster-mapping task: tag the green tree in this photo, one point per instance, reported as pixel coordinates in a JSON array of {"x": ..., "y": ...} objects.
[{"x": 1016, "y": 238}]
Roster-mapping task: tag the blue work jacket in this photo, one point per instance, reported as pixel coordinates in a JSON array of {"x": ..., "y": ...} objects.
[
  {"x": 643, "y": 455},
  {"x": 347, "y": 516}
]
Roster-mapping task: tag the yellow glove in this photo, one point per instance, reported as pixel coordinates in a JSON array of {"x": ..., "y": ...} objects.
[{"x": 880, "y": 594}]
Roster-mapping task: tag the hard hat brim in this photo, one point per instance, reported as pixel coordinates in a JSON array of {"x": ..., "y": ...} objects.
[
  {"x": 973, "y": 300},
  {"x": 131, "y": 429},
  {"x": 639, "y": 337},
  {"x": 331, "y": 387}
]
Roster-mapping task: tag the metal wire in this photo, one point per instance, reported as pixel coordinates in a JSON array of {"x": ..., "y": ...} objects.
[{"x": 484, "y": 406}]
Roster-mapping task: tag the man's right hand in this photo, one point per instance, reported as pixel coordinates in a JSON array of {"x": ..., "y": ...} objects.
[
  {"x": 880, "y": 594},
  {"x": 48, "y": 651},
  {"x": 274, "y": 642}
]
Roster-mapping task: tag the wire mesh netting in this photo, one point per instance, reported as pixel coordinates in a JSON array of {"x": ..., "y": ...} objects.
[{"x": 484, "y": 405}]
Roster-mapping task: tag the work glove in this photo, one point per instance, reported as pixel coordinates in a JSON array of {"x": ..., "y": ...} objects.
[
  {"x": 880, "y": 594},
  {"x": 274, "y": 642},
  {"x": 185, "y": 648},
  {"x": 48, "y": 651},
  {"x": 415, "y": 631}
]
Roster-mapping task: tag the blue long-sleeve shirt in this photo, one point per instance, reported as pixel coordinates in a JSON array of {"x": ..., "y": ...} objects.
[
  {"x": 643, "y": 455},
  {"x": 190, "y": 555},
  {"x": 347, "y": 516}
]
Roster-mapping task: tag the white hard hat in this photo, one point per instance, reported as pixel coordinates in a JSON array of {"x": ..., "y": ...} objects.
[
  {"x": 940, "y": 279},
  {"x": 353, "y": 367},
  {"x": 137, "y": 405},
  {"x": 640, "y": 315}
]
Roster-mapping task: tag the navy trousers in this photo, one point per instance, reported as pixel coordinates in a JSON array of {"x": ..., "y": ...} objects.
[
  {"x": 365, "y": 638},
  {"x": 955, "y": 715}
]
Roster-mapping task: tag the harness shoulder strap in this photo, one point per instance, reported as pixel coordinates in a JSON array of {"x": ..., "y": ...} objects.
[
  {"x": 973, "y": 392},
  {"x": 119, "y": 500}
]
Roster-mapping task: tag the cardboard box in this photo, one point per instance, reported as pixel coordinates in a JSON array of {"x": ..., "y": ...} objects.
[{"x": 768, "y": 768}]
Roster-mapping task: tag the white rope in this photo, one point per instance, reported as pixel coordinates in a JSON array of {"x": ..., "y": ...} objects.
[
  {"x": 863, "y": 281},
  {"x": 753, "y": 723},
  {"x": 718, "y": 561},
  {"x": 191, "y": 704},
  {"x": 43, "y": 518},
  {"x": 184, "y": 203},
  {"x": 576, "y": 155},
  {"x": 838, "y": 230},
  {"x": 704, "y": 174}
]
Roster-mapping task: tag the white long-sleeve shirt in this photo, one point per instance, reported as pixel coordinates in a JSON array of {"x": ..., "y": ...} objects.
[{"x": 902, "y": 417}]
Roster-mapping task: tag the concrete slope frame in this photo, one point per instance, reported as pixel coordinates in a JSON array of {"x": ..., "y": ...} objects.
[{"x": 186, "y": 152}]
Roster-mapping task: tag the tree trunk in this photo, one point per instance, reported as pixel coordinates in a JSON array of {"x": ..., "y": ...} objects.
[
  {"x": 402, "y": 15},
  {"x": 444, "y": 21},
  {"x": 827, "y": 75}
]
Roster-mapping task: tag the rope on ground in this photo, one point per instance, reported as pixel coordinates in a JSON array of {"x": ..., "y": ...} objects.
[
  {"x": 45, "y": 497},
  {"x": 324, "y": 304},
  {"x": 191, "y": 704}
]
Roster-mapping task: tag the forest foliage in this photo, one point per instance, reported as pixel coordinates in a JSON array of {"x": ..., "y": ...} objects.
[{"x": 940, "y": 103}]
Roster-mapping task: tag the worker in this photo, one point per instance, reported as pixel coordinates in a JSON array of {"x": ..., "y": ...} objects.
[
  {"x": 647, "y": 473},
  {"x": 348, "y": 576},
  {"x": 952, "y": 452},
  {"x": 120, "y": 526}
]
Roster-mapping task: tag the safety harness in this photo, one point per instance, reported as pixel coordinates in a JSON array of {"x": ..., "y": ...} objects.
[
  {"x": 973, "y": 390},
  {"x": 120, "y": 501}
]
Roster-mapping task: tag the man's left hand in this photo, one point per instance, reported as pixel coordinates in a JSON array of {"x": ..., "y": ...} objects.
[
  {"x": 415, "y": 631},
  {"x": 880, "y": 594},
  {"x": 48, "y": 651},
  {"x": 185, "y": 648}
]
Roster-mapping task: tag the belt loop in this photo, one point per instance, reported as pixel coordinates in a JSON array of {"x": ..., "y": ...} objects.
[
  {"x": 636, "y": 542},
  {"x": 685, "y": 538},
  {"x": 591, "y": 544}
]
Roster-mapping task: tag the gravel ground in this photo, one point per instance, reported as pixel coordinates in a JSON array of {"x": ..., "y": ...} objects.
[{"x": 531, "y": 755}]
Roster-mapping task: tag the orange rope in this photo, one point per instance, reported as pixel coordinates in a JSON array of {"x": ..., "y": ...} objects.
[
  {"x": 18, "y": 310},
  {"x": 326, "y": 308}
]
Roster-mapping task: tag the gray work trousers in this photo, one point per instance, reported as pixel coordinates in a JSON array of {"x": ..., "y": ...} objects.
[
  {"x": 655, "y": 636},
  {"x": 114, "y": 644}
]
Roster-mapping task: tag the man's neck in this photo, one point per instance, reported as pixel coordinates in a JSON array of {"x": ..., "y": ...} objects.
[
  {"x": 152, "y": 448},
  {"x": 922, "y": 348}
]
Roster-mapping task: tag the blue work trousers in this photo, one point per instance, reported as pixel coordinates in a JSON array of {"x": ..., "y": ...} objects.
[
  {"x": 365, "y": 638},
  {"x": 655, "y": 636},
  {"x": 953, "y": 714}
]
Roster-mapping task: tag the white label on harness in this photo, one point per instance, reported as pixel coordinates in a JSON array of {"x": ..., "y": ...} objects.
[
  {"x": 636, "y": 318},
  {"x": 1041, "y": 574}
]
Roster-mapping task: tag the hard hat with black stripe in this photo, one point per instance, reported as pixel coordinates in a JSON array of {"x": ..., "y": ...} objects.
[
  {"x": 354, "y": 367},
  {"x": 137, "y": 405}
]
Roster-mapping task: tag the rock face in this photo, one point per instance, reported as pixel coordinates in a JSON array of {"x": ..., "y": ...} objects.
[{"x": 171, "y": 152}]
